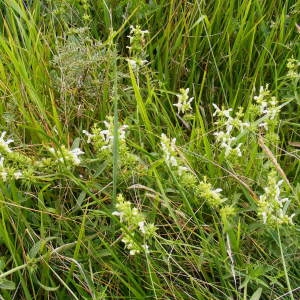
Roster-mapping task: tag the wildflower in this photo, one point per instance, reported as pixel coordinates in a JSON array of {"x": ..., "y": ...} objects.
[
  {"x": 74, "y": 155},
  {"x": 1, "y": 161},
  {"x": 4, "y": 144},
  {"x": 221, "y": 112},
  {"x": 237, "y": 150},
  {"x": 236, "y": 123},
  {"x": 169, "y": 150},
  {"x": 184, "y": 102},
  {"x": 136, "y": 31},
  {"x": 293, "y": 66},
  {"x": 136, "y": 49},
  {"x": 69, "y": 156},
  {"x": 227, "y": 143},
  {"x": 263, "y": 94},
  {"x": 146, "y": 248},
  {"x": 142, "y": 226},
  {"x": 130, "y": 244},
  {"x": 86, "y": 17},
  {"x": 267, "y": 105},
  {"x": 226, "y": 139},
  {"x": 136, "y": 62},
  {"x": 18, "y": 174},
  {"x": 182, "y": 170},
  {"x": 270, "y": 205},
  {"x": 89, "y": 136},
  {"x": 3, "y": 175},
  {"x": 177, "y": 162},
  {"x": 136, "y": 224},
  {"x": 213, "y": 196},
  {"x": 134, "y": 251},
  {"x": 107, "y": 135}
]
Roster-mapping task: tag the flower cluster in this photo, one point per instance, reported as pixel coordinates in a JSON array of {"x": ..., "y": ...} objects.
[
  {"x": 169, "y": 150},
  {"x": 227, "y": 138},
  {"x": 187, "y": 178},
  {"x": 69, "y": 157},
  {"x": 267, "y": 108},
  {"x": 8, "y": 172},
  {"x": 176, "y": 162},
  {"x": 3, "y": 172},
  {"x": 13, "y": 164},
  {"x": 103, "y": 139},
  {"x": 211, "y": 195},
  {"x": 85, "y": 5},
  {"x": 136, "y": 227},
  {"x": 4, "y": 144},
  {"x": 293, "y": 68},
  {"x": 184, "y": 102},
  {"x": 264, "y": 117},
  {"x": 137, "y": 47},
  {"x": 270, "y": 205}
]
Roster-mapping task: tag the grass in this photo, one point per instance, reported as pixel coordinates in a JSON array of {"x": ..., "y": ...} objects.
[{"x": 64, "y": 230}]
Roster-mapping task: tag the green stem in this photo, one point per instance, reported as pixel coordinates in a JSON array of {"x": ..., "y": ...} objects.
[{"x": 284, "y": 266}]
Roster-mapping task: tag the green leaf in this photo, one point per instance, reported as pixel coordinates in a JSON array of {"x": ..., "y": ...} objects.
[
  {"x": 48, "y": 288},
  {"x": 257, "y": 294},
  {"x": 38, "y": 246},
  {"x": 7, "y": 285},
  {"x": 81, "y": 198}
]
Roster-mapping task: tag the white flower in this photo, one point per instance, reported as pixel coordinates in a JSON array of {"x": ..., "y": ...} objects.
[
  {"x": 4, "y": 144},
  {"x": 136, "y": 62},
  {"x": 18, "y": 174},
  {"x": 216, "y": 193},
  {"x": 122, "y": 132},
  {"x": 227, "y": 148},
  {"x": 75, "y": 155},
  {"x": 263, "y": 92},
  {"x": 184, "y": 102},
  {"x": 132, "y": 62},
  {"x": 52, "y": 150},
  {"x": 142, "y": 226},
  {"x": 89, "y": 136},
  {"x": 270, "y": 205},
  {"x": 1, "y": 161},
  {"x": 134, "y": 252},
  {"x": 263, "y": 125},
  {"x": 137, "y": 30},
  {"x": 222, "y": 112},
  {"x": 67, "y": 155},
  {"x": 238, "y": 149},
  {"x": 169, "y": 149},
  {"x": 264, "y": 217},
  {"x": 107, "y": 134},
  {"x": 3, "y": 174},
  {"x": 182, "y": 170},
  {"x": 146, "y": 248},
  {"x": 135, "y": 211}
]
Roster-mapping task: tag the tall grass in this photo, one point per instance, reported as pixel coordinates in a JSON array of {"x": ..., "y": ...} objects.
[{"x": 66, "y": 67}]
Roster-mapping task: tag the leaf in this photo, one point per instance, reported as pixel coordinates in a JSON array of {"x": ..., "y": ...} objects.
[
  {"x": 7, "y": 285},
  {"x": 76, "y": 143},
  {"x": 257, "y": 294},
  {"x": 81, "y": 198},
  {"x": 38, "y": 246},
  {"x": 48, "y": 288}
]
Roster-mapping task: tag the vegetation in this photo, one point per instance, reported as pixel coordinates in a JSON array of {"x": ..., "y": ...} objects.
[{"x": 149, "y": 149}]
